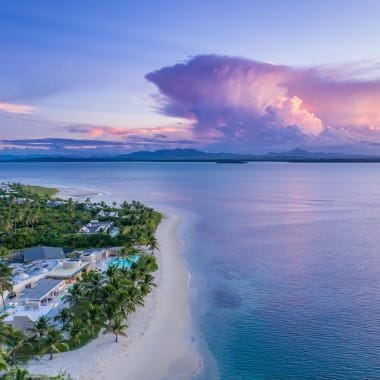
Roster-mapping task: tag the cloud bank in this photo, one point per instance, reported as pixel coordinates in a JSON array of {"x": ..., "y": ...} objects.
[
  {"x": 247, "y": 105},
  {"x": 221, "y": 103}
]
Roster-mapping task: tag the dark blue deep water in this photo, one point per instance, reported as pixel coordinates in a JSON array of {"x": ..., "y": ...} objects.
[{"x": 284, "y": 258}]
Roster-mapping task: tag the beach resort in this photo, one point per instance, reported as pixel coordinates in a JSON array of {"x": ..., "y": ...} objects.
[{"x": 65, "y": 307}]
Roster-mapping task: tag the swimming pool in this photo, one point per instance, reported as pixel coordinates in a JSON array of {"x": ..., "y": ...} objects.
[{"x": 118, "y": 261}]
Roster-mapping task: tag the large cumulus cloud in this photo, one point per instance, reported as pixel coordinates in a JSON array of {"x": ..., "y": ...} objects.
[{"x": 243, "y": 103}]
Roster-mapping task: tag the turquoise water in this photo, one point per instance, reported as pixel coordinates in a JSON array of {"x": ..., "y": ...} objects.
[
  {"x": 118, "y": 261},
  {"x": 284, "y": 258}
]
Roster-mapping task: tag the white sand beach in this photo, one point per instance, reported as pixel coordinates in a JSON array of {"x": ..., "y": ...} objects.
[
  {"x": 158, "y": 345},
  {"x": 76, "y": 193}
]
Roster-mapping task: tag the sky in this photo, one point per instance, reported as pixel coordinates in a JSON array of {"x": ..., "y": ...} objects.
[{"x": 112, "y": 77}]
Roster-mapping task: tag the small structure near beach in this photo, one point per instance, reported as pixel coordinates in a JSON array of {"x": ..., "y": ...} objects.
[
  {"x": 95, "y": 227},
  {"x": 107, "y": 214}
]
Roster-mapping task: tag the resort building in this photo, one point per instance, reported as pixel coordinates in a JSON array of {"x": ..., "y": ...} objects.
[
  {"x": 107, "y": 214},
  {"x": 4, "y": 187},
  {"x": 97, "y": 253},
  {"x": 55, "y": 203},
  {"x": 21, "y": 201},
  {"x": 43, "y": 253},
  {"x": 70, "y": 269},
  {"x": 114, "y": 251},
  {"x": 25, "y": 274},
  {"x": 33, "y": 302},
  {"x": 90, "y": 207},
  {"x": 95, "y": 227},
  {"x": 40, "y": 293}
]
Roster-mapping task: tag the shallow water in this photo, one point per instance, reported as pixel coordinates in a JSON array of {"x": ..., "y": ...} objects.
[{"x": 284, "y": 258}]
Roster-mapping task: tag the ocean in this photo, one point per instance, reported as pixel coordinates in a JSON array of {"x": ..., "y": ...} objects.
[{"x": 284, "y": 258}]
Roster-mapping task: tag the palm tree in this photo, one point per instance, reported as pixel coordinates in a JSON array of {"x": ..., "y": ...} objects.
[
  {"x": 153, "y": 244},
  {"x": 146, "y": 284},
  {"x": 74, "y": 294},
  {"x": 134, "y": 298},
  {"x": 75, "y": 329},
  {"x": 116, "y": 326},
  {"x": 6, "y": 283},
  {"x": 5, "y": 254},
  {"x": 92, "y": 284},
  {"x": 95, "y": 317},
  {"x": 127, "y": 251},
  {"x": 63, "y": 317},
  {"x": 112, "y": 271},
  {"x": 14, "y": 340},
  {"x": 145, "y": 264},
  {"x": 6, "y": 224},
  {"x": 4, "y": 358},
  {"x": 40, "y": 328},
  {"x": 18, "y": 217},
  {"x": 55, "y": 342},
  {"x": 4, "y": 330}
]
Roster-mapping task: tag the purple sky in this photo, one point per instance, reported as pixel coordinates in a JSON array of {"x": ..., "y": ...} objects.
[{"x": 238, "y": 76}]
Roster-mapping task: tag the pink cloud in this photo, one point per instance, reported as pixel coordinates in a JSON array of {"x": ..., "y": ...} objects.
[
  {"x": 117, "y": 132},
  {"x": 238, "y": 101},
  {"x": 16, "y": 108}
]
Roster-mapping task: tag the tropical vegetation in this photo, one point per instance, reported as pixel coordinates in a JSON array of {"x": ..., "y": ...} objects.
[
  {"x": 98, "y": 303},
  {"x": 27, "y": 219}
]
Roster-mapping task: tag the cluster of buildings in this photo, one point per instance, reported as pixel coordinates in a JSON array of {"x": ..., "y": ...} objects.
[
  {"x": 5, "y": 188},
  {"x": 41, "y": 277},
  {"x": 7, "y": 192}
]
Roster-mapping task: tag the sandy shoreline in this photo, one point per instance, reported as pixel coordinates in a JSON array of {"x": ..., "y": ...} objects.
[
  {"x": 69, "y": 192},
  {"x": 158, "y": 345}
]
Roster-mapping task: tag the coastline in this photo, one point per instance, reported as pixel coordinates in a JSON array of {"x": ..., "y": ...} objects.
[{"x": 158, "y": 345}]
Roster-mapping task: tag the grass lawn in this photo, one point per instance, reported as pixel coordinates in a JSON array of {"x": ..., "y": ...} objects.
[{"x": 40, "y": 190}]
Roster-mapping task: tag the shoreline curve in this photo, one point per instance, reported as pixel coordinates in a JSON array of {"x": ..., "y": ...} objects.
[{"x": 158, "y": 343}]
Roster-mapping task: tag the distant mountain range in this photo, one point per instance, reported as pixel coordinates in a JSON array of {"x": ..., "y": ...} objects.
[{"x": 186, "y": 155}]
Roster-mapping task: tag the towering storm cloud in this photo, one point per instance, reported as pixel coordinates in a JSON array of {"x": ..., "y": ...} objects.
[{"x": 242, "y": 103}]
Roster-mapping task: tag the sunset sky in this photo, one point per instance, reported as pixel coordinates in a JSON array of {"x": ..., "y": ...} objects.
[{"x": 110, "y": 77}]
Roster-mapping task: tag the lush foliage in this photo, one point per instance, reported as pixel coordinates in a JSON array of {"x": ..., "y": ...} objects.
[
  {"x": 98, "y": 301},
  {"x": 27, "y": 220}
]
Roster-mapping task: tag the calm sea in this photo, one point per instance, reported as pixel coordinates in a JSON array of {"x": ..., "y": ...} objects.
[{"x": 284, "y": 258}]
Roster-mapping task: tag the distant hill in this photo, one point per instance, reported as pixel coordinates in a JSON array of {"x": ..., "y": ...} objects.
[
  {"x": 179, "y": 154},
  {"x": 158, "y": 155},
  {"x": 193, "y": 155}
]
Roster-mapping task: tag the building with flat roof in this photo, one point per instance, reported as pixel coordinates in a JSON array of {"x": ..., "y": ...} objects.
[
  {"x": 43, "y": 253},
  {"x": 33, "y": 303},
  {"x": 40, "y": 292},
  {"x": 69, "y": 269}
]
